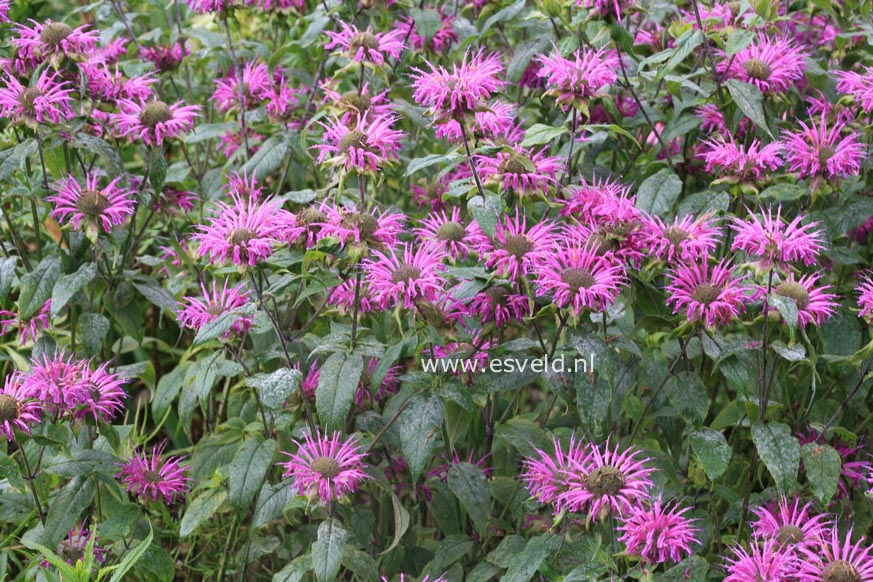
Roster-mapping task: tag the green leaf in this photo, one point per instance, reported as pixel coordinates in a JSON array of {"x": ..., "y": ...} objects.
[
  {"x": 524, "y": 565},
  {"x": 272, "y": 501},
  {"x": 267, "y": 159},
  {"x": 468, "y": 483},
  {"x": 206, "y": 131},
  {"x": 337, "y": 383},
  {"x": 401, "y": 521},
  {"x": 327, "y": 550},
  {"x": 248, "y": 470},
  {"x": 66, "y": 508},
  {"x": 427, "y": 22},
  {"x": 83, "y": 462},
  {"x": 785, "y": 192},
  {"x": 66, "y": 570},
  {"x": 157, "y": 295},
  {"x": 7, "y": 274},
  {"x": 132, "y": 557},
  {"x": 201, "y": 509},
  {"x": 787, "y": 307},
  {"x": 222, "y": 323},
  {"x": 295, "y": 571},
  {"x": 738, "y": 40},
  {"x": 99, "y": 146},
  {"x": 507, "y": 13},
  {"x": 36, "y": 286},
  {"x": 689, "y": 41},
  {"x": 360, "y": 564},
  {"x": 750, "y": 101},
  {"x": 688, "y": 396},
  {"x": 712, "y": 450},
  {"x": 822, "y": 465},
  {"x": 793, "y": 353},
  {"x": 157, "y": 165},
  {"x": 522, "y": 55},
  {"x": 420, "y": 430},
  {"x": 780, "y": 451},
  {"x": 486, "y": 212},
  {"x": 68, "y": 285},
  {"x": 275, "y": 388},
  {"x": 419, "y": 164},
  {"x": 659, "y": 192},
  {"x": 539, "y": 134},
  {"x": 94, "y": 329}
]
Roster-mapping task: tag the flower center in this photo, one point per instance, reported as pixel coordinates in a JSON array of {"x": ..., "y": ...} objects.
[
  {"x": 789, "y": 534},
  {"x": 676, "y": 236},
  {"x": 825, "y": 152},
  {"x": 70, "y": 551},
  {"x": 353, "y": 139},
  {"x": 28, "y": 98},
  {"x": 359, "y": 102},
  {"x": 757, "y": 69},
  {"x": 9, "y": 408},
  {"x": 241, "y": 236},
  {"x": 795, "y": 291},
  {"x": 363, "y": 40},
  {"x": 310, "y": 215},
  {"x": 518, "y": 245},
  {"x": 605, "y": 480},
  {"x": 215, "y": 310},
  {"x": 326, "y": 467},
  {"x": 151, "y": 477},
  {"x": 154, "y": 113},
  {"x": 515, "y": 165},
  {"x": 705, "y": 293},
  {"x": 451, "y": 231},
  {"x": 92, "y": 203},
  {"x": 405, "y": 274},
  {"x": 577, "y": 278},
  {"x": 366, "y": 223},
  {"x": 497, "y": 294},
  {"x": 840, "y": 571},
  {"x": 55, "y": 33}
]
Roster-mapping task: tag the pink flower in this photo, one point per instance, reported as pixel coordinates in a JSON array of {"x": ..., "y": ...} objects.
[
  {"x": 713, "y": 295},
  {"x": 816, "y": 150},
  {"x": 740, "y": 162},
  {"x": 608, "y": 481},
  {"x": 465, "y": 89},
  {"x": 855, "y": 467},
  {"x": 375, "y": 229},
  {"x": 367, "y": 394},
  {"x": 326, "y": 467},
  {"x": 165, "y": 58},
  {"x": 73, "y": 548},
  {"x": 155, "y": 477},
  {"x": 353, "y": 105},
  {"x": 343, "y": 296},
  {"x": 368, "y": 145},
  {"x": 836, "y": 559},
  {"x": 547, "y": 475},
  {"x": 601, "y": 201},
  {"x": 772, "y": 65},
  {"x": 56, "y": 381},
  {"x": 495, "y": 122},
  {"x": 18, "y": 409},
  {"x": 521, "y": 171},
  {"x": 245, "y": 232},
  {"x": 688, "y": 239},
  {"x": 790, "y": 524},
  {"x": 814, "y": 304},
  {"x": 361, "y": 46},
  {"x": 577, "y": 276},
  {"x": 765, "y": 562},
  {"x": 441, "y": 40},
  {"x": 53, "y": 41},
  {"x": 257, "y": 88},
  {"x": 209, "y": 6},
  {"x": 515, "y": 250},
  {"x": 403, "y": 275},
  {"x": 99, "y": 208},
  {"x": 865, "y": 296},
  {"x": 574, "y": 83},
  {"x": 858, "y": 85},
  {"x": 105, "y": 393},
  {"x": 39, "y": 321},
  {"x": 500, "y": 305},
  {"x": 196, "y": 312},
  {"x": 606, "y": 8},
  {"x": 47, "y": 101},
  {"x": 447, "y": 233},
  {"x": 155, "y": 121},
  {"x": 658, "y": 533},
  {"x": 243, "y": 186},
  {"x": 772, "y": 242},
  {"x": 4, "y": 10},
  {"x": 108, "y": 85}
]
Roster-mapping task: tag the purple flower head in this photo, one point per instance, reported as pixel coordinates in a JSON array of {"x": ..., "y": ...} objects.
[
  {"x": 836, "y": 558},
  {"x": 467, "y": 88},
  {"x": 155, "y": 477},
  {"x": 18, "y": 408},
  {"x": 816, "y": 151},
  {"x": 367, "y": 146},
  {"x": 516, "y": 249},
  {"x": 196, "y": 312},
  {"x": 770, "y": 64},
  {"x": 153, "y": 121},
  {"x": 687, "y": 239},
  {"x": 366, "y": 46},
  {"x": 326, "y": 468},
  {"x": 53, "y": 42},
  {"x": 575, "y": 82},
  {"x": 766, "y": 562},
  {"x": 521, "y": 171},
  {"x": 790, "y": 524},
  {"x": 658, "y": 533},
  {"x": 814, "y": 304},
  {"x": 578, "y": 278},
  {"x": 770, "y": 241},
  {"x": 404, "y": 276},
  {"x": 447, "y": 233},
  {"x": 711, "y": 294},
  {"x": 47, "y": 101},
  {"x": 745, "y": 164},
  {"x": 98, "y": 208}
]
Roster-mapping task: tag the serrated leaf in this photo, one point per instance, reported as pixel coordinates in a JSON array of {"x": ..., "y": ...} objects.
[
  {"x": 327, "y": 550},
  {"x": 525, "y": 564},
  {"x": 419, "y": 431},
  {"x": 486, "y": 212},
  {"x": 419, "y": 164},
  {"x": 659, "y": 192},
  {"x": 94, "y": 329},
  {"x": 66, "y": 508},
  {"x": 822, "y": 464},
  {"x": 222, "y": 323},
  {"x": 712, "y": 450},
  {"x": 295, "y": 571},
  {"x": 248, "y": 470},
  {"x": 468, "y": 483},
  {"x": 275, "y": 388},
  {"x": 157, "y": 295},
  {"x": 540, "y": 134},
  {"x": 157, "y": 165},
  {"x": 738, "y": 40},
  {"x": 68, "y": 285},
  {"x": 337, "y": 384},
  {"x": 201, "y": 509},
  {"x": 207, "y": 131},
  {"x": 688, "y": 396},
  {"x": 427, "y": 22},
  {"x": 37, "y": 286},
  {"x": 780, "y": 451},
  {"x": 794, "y": 353},
  {"x": 750, "y": 101},
  {"x": 267, "y": 159}
]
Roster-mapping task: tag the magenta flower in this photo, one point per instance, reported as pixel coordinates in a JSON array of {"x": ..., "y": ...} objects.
[
  {"x": 790, "y": 524},
  {"x": 375, "y": 229},
  {"x": 547, "y": 475},
  {"x": 366, "y": 394},
  {"x": 606, "y": 8},
  {"x": 658, "y": 533},
  {"x": 72, "y": 548},
  {"x": 858, "y": 85},
  {"x": 770, "y": 64},
  {"x": 41, "y": 320},
  {"x": 470, "y": 84},
  {"x": 814, "y": 304},
  {"x": 196, "y": 312},
  {"x": 500, "y": 305},
  {"x": 18, "y": 408},
  {"x": 326, "y": 468},
  {"x": 516, "y": 249},
  {"x": 243, "y": 233},
  {"x": 738, "y": 162},
  {"x": 835, "y": 559},
  {"x": 574, "y": 83},
  {"x": 403, "y": 275},
  {"x": 99, "y": 208},
  {"x": 4, "y": 10},
  {"x": 353, "y": 105},
  {"x": 53, "y": 41},
  {"x": 520, "y": 170},
  {"x": 818, "y": 151},
  {"x": 366, "y": 46},
  {"x": 56, "y": 381},
  {"x": 494, "y": 122},
  {"x": 257, "y": 88},
  {"x": 441, "y": 40},
  {"x": 105, "y": 393},
  {"x": 109, "y": 85},
  {"x": 865, "y": 296},
  {"x": 243, "y": 186},
  {"x": 448, "y": 234},
  {"x": 155, "y": 477},
  {"x": 210, "y": 6},
  {"x": 853, "y": 470},
  {"x": 607, "y": 482},
  {"x": 154, "y": 121},
  {"x": 770, "y": 241},
  {"x": 47, "y": 101},
  {"x": 765, "y": 562},
  {"x": 165, "y": 58},
  {"x": 688, "y": 239},
  {"x": 370, "y": 144},
  {"x": 343, "y": 296},
  {"x": 599, "y": 201},
  {"x": 578, "y": 277},
  {"x": 712, "y": 294}
]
